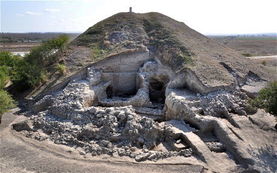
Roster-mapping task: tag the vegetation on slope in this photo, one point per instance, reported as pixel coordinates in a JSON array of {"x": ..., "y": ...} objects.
[
  {"x": 110, "y": 36},
  {"x": 6, "y": 102},
  {"x": 163, "y": 42},
  {"x": 267, "y": 98},
  {"x": 130, "y": 31},
  {"x": 31, "y": 70}
]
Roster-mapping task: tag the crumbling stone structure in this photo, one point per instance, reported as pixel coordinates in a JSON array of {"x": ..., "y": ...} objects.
[{"x": 135, "y": 104}]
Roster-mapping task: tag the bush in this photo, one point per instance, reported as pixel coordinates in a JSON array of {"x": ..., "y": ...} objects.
[
  {"x": 246, "y": 54},
  {"x": 29, "y": 71},
  {"x": 45, "y": 54},
  {"x": 264, "y": 62},
  {"x": 61, "y": 68},
  {"x": 28, "y": 75},
  {"x": 32, "y": 70},
  {"x": 4, "y": 77},
  {"x": 6, "y": 102},
  {"x": 7, "y": 59},
  {"x": 267, "y": 98}
]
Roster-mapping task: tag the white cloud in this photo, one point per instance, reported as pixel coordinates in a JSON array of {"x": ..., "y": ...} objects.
[
  {"x": 52, "y": 10},
  {"x": 32, "y": 13}
]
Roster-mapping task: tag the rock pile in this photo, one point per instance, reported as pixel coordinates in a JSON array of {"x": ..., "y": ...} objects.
[{"x": 117, "y": 131}]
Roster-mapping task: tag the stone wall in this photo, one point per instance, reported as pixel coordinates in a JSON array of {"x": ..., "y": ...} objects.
[{"x": 121, "y": 70}]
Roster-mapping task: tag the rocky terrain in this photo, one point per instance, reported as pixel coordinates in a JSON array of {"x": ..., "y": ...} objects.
[{"x": 149, "y": 88}]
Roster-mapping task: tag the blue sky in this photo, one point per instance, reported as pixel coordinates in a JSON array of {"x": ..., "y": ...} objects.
[{"x": 205, "y": 16}]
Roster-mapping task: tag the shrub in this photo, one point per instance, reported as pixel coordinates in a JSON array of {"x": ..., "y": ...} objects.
[
  {"x": 6, "y": 102},
  {"x": 246, "y": 54},
  {"x": 32, "y": 70},
  {"x": 61, "y": 68},
  {"x": 28, "y": 75},
  {"x": 44, "y": 54},
  {"x": 4, "y": 77},
  {"x": 267, "y": 98},
  {"x": 264, "y": 62}
]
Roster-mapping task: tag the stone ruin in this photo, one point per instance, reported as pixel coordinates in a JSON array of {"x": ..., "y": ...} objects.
[{"x": 132, "y": 105}]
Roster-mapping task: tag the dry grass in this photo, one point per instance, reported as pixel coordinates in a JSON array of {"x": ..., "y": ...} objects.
[{"x": 253, "y": 47}]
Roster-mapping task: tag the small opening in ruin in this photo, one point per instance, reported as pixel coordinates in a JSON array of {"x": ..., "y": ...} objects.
[
  {"x": 157, "y": 90},
  {"x": 109, "y": 92},
  {"x": 201, "y": 112},
  {"x": 112, "y": 93}
]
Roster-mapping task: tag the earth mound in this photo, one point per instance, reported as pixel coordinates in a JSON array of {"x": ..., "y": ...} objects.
[{"x": 150, "y": 88}]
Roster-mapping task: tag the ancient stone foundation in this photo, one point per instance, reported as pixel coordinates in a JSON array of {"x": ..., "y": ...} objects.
[{"x": 132, "y": 105}]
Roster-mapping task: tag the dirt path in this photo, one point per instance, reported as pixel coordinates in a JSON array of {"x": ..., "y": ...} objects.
[
  {"x": 263, "y": 57},
  {"x": 17, "y": 156}
]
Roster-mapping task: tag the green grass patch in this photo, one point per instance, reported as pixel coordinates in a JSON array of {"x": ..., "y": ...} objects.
[{"x": 6, "y": 102}]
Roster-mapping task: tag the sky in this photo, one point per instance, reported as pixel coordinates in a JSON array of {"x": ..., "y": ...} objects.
[{"x": 204, "y": 16}]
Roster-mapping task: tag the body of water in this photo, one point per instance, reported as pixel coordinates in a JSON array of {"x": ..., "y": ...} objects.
[{"x": 20, "y": 53}]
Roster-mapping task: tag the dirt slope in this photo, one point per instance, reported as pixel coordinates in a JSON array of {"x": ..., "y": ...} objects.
[
  {"x": 172, "y": 42},
  {"x": 163, "y": 35}
]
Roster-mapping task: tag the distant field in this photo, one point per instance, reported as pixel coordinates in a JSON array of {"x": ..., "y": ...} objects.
[
  {"x": 18, "y": 47},
  {"x": 257, "y": 48},
  {"x": 250, "y": 46},
  {"x": 24, "y": 42},
  {"x": 246, "y": 45}
]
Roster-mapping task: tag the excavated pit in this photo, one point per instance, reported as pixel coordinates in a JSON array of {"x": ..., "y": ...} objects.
[
  {"x": 150, "y": 113},
  {"x": 112, "y": 94},
  {"x": 157, "y": 90},
  {"x": 111, "y": 112},
  {"x": 102, "y": 115}
]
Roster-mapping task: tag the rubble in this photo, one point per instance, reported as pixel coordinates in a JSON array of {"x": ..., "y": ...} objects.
[
  {"x": 85, "y": 116},
  {"x": 163, "y": 119}
]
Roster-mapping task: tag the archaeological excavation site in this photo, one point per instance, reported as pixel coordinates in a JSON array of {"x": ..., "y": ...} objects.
[{"x": 145, "y": 88}]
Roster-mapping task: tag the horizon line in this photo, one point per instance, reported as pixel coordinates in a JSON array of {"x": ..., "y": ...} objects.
[{"x": 80, "y": 32}]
